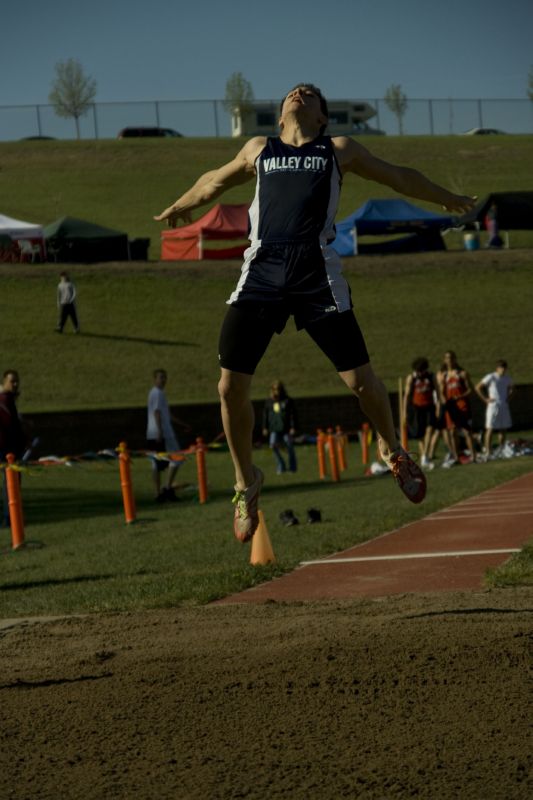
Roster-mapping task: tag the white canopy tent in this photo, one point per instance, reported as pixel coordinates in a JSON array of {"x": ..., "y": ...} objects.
[{"x": 29, "y": 237}]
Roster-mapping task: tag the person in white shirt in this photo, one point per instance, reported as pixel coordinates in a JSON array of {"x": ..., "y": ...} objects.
[
  {"x": 66, "y": 303},
  {"x": 161, "y": 437},
  {"x": 495, "y": 389}
]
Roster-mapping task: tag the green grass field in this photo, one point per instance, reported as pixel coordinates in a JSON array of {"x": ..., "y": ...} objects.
[
  {"x": 136, "y": 318},
  {"x": 122, "y": 184},
  {"x": 139, "y": 316},
  {"x": 184, "y": 553}
]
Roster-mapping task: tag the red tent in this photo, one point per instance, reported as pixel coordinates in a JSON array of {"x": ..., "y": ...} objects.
[{"x": 187, "y": 243}]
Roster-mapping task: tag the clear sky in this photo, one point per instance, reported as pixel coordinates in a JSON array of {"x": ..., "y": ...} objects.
[{"x": 173, "y": 50}]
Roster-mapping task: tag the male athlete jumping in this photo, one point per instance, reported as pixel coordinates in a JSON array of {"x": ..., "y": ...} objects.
[{"x": 290, "y": 269}]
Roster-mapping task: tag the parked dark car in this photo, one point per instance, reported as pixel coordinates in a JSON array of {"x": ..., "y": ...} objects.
[{"x": 127, "y": 133}]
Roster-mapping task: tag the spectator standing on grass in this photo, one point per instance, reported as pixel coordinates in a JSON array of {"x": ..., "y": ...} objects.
[
  {"x": 66, "y": 303},
  {"x": 290, "y": 268},
  {"x": 491, "y": 224},
  {"x": 456, "y": 389},
  {"x": 495, "y": 389},
  {"x": 440, "y": 421},
  {"x": 12, "y": 436},
  {"x": 161, "y": 438},
  {"x": 279, "y": 425},
  {"x": 420, "y": 408}
]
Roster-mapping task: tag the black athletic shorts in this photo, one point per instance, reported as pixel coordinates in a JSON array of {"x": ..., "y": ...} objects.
[
  {"x": 302, "y": 279},
  {"x": 246, "y": 333},
  {"x": 420, "y": 419}
]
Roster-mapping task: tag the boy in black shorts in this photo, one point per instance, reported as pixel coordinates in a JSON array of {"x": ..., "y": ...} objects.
[{"x": 291, "y": 269}]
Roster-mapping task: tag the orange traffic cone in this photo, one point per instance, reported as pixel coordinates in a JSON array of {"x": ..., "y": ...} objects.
[{"x": 262, "y": 552}]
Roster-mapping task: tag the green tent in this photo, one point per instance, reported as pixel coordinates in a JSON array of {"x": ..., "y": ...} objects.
[{"x": 70, "y": 240}]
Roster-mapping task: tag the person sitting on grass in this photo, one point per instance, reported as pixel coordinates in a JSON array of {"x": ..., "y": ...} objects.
[{"x": 290, "y": 268}]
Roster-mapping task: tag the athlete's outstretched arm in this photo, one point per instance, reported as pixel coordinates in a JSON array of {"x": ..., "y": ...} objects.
[
  {"x": 212, "y": 184},
  {"x": 353, "y": 157}
]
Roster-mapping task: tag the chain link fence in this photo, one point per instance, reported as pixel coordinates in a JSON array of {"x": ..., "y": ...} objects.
[{"x": 210, "y": 118}]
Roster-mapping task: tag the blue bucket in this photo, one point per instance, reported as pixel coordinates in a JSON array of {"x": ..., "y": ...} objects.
[{"x": 471, "y": 241}]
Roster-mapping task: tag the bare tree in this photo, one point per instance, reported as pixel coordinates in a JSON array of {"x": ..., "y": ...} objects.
[
  {"x": 530, "y": 83},
  {"x": 397, "y": 102},
  {"x": 72, "y": 91},
  {"x": 238, "y": 100}
]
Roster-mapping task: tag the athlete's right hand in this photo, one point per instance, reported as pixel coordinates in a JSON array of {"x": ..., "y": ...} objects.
[
  {"x": 171, "y": 215},
  {"x": 460, "y": 204}
]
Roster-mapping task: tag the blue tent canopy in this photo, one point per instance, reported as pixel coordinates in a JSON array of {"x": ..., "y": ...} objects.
[{"x": 377, "y": 217}]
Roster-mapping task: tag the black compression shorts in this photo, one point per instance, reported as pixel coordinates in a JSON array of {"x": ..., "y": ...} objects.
[
  {"x": 301, "y": 278},
  {"x": 247, "y": 330}
]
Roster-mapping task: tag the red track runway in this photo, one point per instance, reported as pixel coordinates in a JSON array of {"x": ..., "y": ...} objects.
[{"x": 446, "y": 551}]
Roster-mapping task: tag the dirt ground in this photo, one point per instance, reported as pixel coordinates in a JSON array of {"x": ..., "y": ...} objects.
[{"x": 413, "y": 696}]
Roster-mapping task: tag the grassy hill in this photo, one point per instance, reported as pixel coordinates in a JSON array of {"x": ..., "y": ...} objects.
[
  {"x": 123, "y": 183},
  {"x": 136, "y": 317}
]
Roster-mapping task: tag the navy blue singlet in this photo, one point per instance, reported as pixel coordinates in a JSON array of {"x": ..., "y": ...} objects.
[{"x": 297, "y": 193}]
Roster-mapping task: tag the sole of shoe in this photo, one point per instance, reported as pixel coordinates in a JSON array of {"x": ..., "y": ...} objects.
[{"x": 246, "y": 535}]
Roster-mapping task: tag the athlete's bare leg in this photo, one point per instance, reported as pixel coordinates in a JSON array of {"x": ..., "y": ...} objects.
[
  {"x": 172, "y": 469},
  {"x": 470, "y": 444},
  {"x": 374, "y": 402},
  {"x": 454, "y": 443},
  {"x": 238, "y": 422},
  {"x": 425, "y": 443}
]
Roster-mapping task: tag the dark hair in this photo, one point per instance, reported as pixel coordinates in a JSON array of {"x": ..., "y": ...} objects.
[
  {"x": 420, "y": 364},
  {"x": 281, "y": 388},
  {"x": 10, "y": 372},
  {"x": 159, "y": 372},
  {"x": 501, "y": 363},
  {"x": 453, "y": 356},
  {"x": 315, "y": 90}
]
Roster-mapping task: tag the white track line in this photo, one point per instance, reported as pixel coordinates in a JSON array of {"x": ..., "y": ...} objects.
[
  {"x": 407, "y": 556},
  {"x": 451, "y": 514},
  {"x": 504, "y": 501}
]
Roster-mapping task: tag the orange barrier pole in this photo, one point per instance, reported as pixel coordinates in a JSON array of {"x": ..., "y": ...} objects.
[
  {"x": 14, "y": 503},
  {"x": 201, "y": 470},
  {"x": 341, "y": 441},
  {"x": 321, "y": 453},
  {"x": 364, "y": 442},
  {"x": 404, "y": 435},
  {"x": 333, "y": 456},
  {"x": 124, "y": 462}
]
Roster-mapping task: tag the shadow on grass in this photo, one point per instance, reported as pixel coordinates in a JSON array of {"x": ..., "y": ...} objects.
[
  {"x": 138, "y": 339},
  {"x": 271, "y": 488},
  {"x": 42, "y": 507},
  {"x": 7, "y": 587},
  {"x": 319, "y": 485}
]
